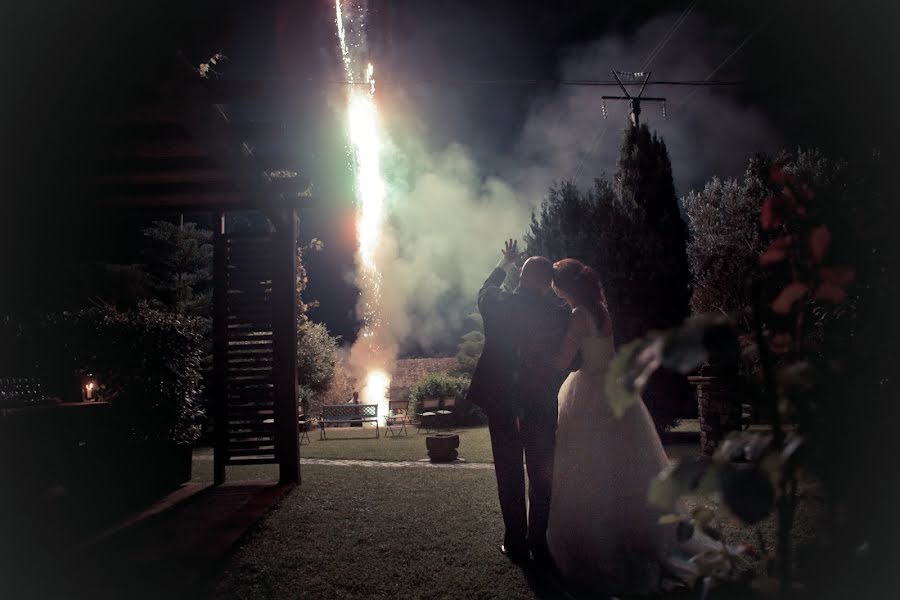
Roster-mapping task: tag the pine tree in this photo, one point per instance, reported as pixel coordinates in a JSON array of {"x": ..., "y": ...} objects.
[{"x": 179, "y": 264}]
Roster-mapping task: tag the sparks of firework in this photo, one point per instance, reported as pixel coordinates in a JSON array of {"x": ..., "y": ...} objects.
[
  {"x": 366, "y": 137},
  {"x": 342, "y": 36}
]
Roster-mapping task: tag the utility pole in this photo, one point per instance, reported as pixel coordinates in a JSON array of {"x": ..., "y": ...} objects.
[{"x": 635, "y": 101}]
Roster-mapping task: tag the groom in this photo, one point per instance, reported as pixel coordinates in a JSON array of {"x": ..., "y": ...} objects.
[{"x": 516, "y": 386}]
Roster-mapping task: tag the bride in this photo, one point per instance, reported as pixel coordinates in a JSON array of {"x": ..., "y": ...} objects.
[{"x": 602, "y": 535}]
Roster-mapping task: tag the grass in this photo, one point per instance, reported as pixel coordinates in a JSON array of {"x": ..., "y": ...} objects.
[
  {"x": 360, "y": 532},
  {"x": 356, "y": 532}
]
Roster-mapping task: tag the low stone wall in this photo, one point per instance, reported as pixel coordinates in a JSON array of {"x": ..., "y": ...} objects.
[
  {"x": 408, "y": 372},
  {"x": 719, "y": 404}
]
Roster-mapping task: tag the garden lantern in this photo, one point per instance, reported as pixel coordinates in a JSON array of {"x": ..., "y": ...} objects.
[{"x": 88, "y": 387}]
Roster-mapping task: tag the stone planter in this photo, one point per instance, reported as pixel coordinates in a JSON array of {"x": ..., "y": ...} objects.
[
  {"x": 719, "y": 404},
  {"x": 442, "y": 447}
]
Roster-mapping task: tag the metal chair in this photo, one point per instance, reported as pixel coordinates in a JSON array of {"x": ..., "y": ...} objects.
[
  {"x": 445, "y": 414},
  {"x": 428, "y": 417},
  {"x": 398, "y": 416},
  {"x": 303, "y": 424}
]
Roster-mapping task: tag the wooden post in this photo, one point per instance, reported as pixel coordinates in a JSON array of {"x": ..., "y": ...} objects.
[
  {"x": 284, "y": 333},
  {"x": 220, "y": 350}
]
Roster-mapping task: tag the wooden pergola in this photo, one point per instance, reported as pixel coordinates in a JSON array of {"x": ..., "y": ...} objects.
[{"x": 183, "y": 151}]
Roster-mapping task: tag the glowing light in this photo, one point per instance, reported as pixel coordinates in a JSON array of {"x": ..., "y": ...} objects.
[
  {"x": 375, "y": 390},
  {"x": 363, "y": 123},
  {"x": 366, "y": 140}
]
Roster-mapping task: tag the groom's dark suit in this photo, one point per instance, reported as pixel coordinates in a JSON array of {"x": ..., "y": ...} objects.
[{"x": 514, "y": 381}]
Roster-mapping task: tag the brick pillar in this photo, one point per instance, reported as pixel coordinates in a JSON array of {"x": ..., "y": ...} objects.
[{"x": 719, "y": 405}]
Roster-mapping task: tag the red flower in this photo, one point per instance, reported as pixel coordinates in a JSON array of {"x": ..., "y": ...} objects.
[
  {"x": 819, "y": 241},
  {"x": 775, "y": 208},
  {"x": 789, "y": 296},
  {"x": 776, "y": 175},
  {"x": 780, "y": 343},
  {"x": 777, "y": 250},
  {"x": 841, "y": 276},
  {"x": 768, "y": 216},
  {"x": 807, "y": 191},
  {"x": 830, "y": 293}
]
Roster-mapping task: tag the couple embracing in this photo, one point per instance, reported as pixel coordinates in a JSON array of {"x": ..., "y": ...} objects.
[{"x": 540, "y": 380}]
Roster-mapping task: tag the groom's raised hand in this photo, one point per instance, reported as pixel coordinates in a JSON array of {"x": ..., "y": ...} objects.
[{"x": 510, "y": 252}]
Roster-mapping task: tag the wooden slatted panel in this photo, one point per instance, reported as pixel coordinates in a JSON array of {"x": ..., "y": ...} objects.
[{"x": 249, "y": 350}]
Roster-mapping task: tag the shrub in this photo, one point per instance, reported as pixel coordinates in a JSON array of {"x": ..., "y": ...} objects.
[
  {"x": 337, "y": 391},
  {"x": 148, "y": 363},
  {"x": 470, "y": 347},
  {"x": 316, "y": 356},
  {"x": 757, "y": 473},
  {"x": 306, "y": 398},
  {"x": 440, "y": 385}
]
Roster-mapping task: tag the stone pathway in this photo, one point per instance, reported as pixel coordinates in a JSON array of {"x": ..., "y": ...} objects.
[
  {"x": 342, "y": 462},
  {"x": 457, "y": 464}
]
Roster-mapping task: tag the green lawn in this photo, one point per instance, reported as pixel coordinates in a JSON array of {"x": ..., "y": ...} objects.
[
  {"x": 357, "y": 532},
  {"x": 361, "y": 532}
]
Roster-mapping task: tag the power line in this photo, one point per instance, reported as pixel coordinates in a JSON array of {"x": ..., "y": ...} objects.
[
  {"x": 675, "y": 26},
  {"x": 733, "y": 53},
  {"x": 777, "y": 12},
  {"x": 522, "y": 82},
  {"x": 601, "y": 133}
]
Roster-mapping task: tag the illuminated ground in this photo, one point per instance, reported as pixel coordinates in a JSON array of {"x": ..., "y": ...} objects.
[{"x": 361, "y": 532}]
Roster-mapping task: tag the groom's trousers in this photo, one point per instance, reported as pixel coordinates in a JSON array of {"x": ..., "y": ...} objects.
[{"x": 535, "y": 438}]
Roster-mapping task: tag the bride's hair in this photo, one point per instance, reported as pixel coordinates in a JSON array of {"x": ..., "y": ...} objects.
[{"x": 583, "y": 284}]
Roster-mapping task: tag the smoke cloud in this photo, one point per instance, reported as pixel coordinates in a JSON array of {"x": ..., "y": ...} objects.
[
  {"x": 451, "y": 205},
  {"x": 706, "y": 130}
]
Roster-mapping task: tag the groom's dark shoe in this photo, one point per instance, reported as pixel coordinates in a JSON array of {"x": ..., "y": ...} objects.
[
  {"x": 542, "y": 558},
  {"x": 516, "y": 553}
]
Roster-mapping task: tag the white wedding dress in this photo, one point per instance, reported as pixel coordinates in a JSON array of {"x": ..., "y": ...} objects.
[{"x": 602, "y": 534}]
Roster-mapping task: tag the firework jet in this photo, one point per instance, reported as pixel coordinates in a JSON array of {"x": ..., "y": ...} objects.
[{"x": 374, "y": 352}]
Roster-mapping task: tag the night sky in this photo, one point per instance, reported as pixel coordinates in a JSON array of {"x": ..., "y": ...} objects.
[{"x": 814, "y": 72}]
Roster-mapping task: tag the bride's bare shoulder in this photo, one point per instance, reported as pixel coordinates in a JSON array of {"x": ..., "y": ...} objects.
[{"x": 581, "y": 317}]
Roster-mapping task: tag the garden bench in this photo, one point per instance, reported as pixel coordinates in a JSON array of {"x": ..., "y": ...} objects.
[
  {"x": 333, "y": 414},
  {"x": 22, "y": 392}
]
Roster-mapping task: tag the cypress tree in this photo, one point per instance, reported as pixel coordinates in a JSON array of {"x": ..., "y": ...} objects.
[
  {"x": 656, "y": 237},
  {"x": 652, "y": 241}
]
